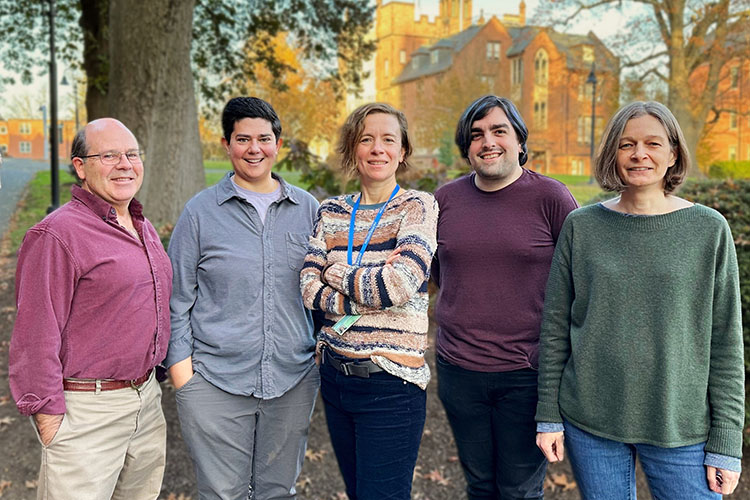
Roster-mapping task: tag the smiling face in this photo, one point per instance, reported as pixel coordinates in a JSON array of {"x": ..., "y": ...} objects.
[
  {"x": 116, "y": 184},
  {"x": 644, "y": 153},
  {"x": 494, "y": 148},
  {"x": 379, "y": 150},
  {"x": 252, "y": 149}
]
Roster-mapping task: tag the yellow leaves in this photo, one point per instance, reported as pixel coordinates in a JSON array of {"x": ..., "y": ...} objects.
[{"x": 4, "y": 485}]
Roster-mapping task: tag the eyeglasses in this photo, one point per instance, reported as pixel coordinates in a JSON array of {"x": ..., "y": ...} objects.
[{"x": 134, "y": 156}]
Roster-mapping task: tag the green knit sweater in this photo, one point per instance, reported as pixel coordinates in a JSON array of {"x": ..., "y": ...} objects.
[{"x": 641, "y": 340}]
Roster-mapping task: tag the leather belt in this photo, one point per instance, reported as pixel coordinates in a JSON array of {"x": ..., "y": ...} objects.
[
  {"x": 362, "y": 368},
  {"x": 92, "y": 385}
]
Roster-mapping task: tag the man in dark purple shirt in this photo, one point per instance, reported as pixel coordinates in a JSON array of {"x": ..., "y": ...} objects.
[
  {"x": 92, "y": 289},
  {"x": 497, "y": 231}
]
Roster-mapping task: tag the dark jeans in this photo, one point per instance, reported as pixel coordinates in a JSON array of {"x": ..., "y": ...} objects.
[
  {"x": 376, "y": 426},
  {"x": 492, "y": 417}
]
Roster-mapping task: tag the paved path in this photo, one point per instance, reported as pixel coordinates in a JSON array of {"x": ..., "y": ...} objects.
[{"x": 15, "y": 174}]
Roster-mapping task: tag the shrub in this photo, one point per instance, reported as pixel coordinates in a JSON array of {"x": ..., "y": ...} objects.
[
  {"x": 731, "y": 197},
  {"x": 729, "y": 170}
]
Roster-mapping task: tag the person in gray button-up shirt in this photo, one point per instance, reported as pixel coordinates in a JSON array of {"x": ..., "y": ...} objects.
[{"x": 241, "y": 352}]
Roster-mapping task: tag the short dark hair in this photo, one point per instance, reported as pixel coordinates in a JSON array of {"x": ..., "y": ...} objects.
[
  {"x": 351, "y": 133},
  {"x": 239, "y": 108},
  {"x": 481, "y": 108},
  {"x": 605, "y": 166}
]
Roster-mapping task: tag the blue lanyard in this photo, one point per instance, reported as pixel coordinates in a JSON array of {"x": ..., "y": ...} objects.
[{"x": 369, "y": 233}]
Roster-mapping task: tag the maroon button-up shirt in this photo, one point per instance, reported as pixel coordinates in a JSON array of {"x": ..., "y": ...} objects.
[{"x": 93, "y": 302}]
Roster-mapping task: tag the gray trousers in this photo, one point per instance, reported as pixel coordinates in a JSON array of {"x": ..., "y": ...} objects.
[{"x": 243, "y": 443}]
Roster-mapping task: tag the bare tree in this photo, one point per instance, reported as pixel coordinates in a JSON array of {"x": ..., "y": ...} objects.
[{"x": 684, "y": 44}]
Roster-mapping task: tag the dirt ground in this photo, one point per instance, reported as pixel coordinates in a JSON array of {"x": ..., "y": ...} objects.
[{"x": 438, "y": 474}]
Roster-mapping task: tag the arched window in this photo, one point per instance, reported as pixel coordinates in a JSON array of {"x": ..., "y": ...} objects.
[{"x": 541, "y": 67}]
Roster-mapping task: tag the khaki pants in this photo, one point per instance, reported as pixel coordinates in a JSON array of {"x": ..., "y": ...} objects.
[{"x": 109, "y": 445}]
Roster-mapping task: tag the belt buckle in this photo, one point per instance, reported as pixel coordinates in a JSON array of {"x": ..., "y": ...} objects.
[
  {"x": 138, "y": 387},
  {"x": 345, "y": 369}
]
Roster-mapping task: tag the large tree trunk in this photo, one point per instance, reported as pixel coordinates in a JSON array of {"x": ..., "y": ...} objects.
[
  {"x": 94, "y": 23},
  {"x": 151, "y": 91}
]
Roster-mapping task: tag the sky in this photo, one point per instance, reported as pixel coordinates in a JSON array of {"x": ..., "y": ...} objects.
[{"x": 602, "y": 27}]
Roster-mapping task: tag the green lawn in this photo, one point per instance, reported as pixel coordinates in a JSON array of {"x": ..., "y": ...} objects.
[
  {"x": 34, "y": 206},
  {"x": 581, "y": 186},
  {"x": 215, "y": 170}
]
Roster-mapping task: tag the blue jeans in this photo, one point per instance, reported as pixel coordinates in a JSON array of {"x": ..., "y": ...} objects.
[
  {"x": 375, "y": 426},
  {"x": 605, "y": 469},
  {"x": 492, "y": 418}
]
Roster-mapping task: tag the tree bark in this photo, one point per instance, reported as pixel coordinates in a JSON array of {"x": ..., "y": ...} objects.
[
  {"x": 94, "y": 23},
  {"x": 151, "y": 91}
]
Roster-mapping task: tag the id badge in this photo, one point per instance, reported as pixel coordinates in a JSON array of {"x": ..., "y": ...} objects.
[{"x": 345, "y": 323}]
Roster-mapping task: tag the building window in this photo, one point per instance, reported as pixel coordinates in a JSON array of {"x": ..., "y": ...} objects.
[
  {"x": 734, "y": 77},
  {"x": 488, "y": 82},
  {"x": 516, "y": 70},
  {"x": 24, "y": 128},
  {"x": 386, "y": 68},
  {"x": 4, "y": 149},
  {"x": 732, "y": 120},
  {"x": 588, "y": 54},
  {"x": 493, "y": 50},
  {"x": 540, "y": 114},
  {"x": 24, "y": 147},
  {"x": 402, "y": 56},
  {"x": 576, "y": 167},
  {"x": 3, "y": 130},
  {"x": 584, "y": 130},
  {"x": 434, "y": 55},
  {"x": 732, "y": 153},
  {"x": 541, "y": 67}
]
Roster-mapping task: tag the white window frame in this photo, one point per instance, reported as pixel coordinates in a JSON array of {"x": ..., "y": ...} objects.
[{"x": 24, "y": 147}]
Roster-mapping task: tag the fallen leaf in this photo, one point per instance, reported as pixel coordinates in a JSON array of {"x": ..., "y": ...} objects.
[
  {"x": 563, "y": 481},
  {"x": 315, "y": 456},
  {"x": 31, "y": 484},
  {"x": 427, "y": 432},
  {"x": 6, "y": 421},
  {"x": 437, "y": 477},
  {"x": 341, "y": 495},
  {"x": 4, "y": 485},
  {"x": 453, "y": 459}
]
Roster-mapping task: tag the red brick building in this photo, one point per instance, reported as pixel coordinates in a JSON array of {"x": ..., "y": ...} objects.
[
  {"x": 727, "y": 136},
  {"x": 543, "y": 72},
  {"x": 24, "y": 138}
]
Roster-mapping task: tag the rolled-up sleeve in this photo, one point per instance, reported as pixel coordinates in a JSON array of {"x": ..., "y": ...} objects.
[{"x": 46, "y": 278}]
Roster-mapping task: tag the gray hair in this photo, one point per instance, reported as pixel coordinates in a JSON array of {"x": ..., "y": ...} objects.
[{"x": 605, "y": 166}]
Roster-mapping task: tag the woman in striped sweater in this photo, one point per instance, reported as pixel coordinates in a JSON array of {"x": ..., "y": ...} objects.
[{"x": 367, "y": 268}]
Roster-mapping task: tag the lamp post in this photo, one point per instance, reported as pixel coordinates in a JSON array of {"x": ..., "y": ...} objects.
[
  {"x": 74, "y": 83},
  {"x": 54, "y": 156},
  {"x": 592, "y": 80}
]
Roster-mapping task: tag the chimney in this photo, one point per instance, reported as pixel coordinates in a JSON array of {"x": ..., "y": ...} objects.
[{"x": 522, "y": 13}]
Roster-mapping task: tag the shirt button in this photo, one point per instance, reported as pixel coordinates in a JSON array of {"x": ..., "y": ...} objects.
[{"x": 112, "y": 211}]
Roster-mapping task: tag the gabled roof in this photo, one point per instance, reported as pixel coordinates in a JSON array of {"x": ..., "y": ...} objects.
[
  {"x": 455, "y": 43},
  {"x": 567, "y": 44}
]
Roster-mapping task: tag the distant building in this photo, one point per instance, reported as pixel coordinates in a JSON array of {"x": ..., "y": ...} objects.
[
  {"x": 727, "y": 135},
  {"x": 25, "y": 138},
  {"x": 421, "y": 65}
]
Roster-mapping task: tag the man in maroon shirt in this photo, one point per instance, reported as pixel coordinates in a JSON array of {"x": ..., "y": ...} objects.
[
  {"x": 92, "y": 289},
  {"x": 497, "y": 231}
]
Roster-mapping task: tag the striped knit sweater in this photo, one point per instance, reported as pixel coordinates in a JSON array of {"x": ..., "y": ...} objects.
[{"x": 392, "y": 298}]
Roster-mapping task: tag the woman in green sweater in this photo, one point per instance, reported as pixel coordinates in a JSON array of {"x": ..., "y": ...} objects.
[{"x": 641, "y": 343}]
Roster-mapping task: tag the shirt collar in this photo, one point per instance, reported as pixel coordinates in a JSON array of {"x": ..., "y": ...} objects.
[
  {"x": 226, "y": 191},
  {"x": 101, "y": 208}
]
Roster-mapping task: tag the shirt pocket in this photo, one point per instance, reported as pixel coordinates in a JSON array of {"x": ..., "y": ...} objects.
[{"x": 296, "y": 249}]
